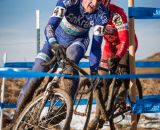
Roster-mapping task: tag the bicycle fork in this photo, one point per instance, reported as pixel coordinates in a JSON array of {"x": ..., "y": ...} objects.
[{"x": 48, "y": 91}]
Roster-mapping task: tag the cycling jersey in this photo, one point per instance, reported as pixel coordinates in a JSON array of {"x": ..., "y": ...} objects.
[
  {"x": 69, "y": 23},
  {"x": 116, "y": 39}
]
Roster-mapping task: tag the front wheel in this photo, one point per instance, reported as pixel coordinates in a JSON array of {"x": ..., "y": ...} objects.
[
  {"x": 55, "y": 114},
  {"x": 83, "y": 105}
]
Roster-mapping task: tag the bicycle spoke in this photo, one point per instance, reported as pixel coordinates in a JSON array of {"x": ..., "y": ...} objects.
[{"x": 27, "y": 124}]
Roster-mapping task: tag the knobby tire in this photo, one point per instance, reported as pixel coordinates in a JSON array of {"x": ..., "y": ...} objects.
[{"x": 58, "y": 92}]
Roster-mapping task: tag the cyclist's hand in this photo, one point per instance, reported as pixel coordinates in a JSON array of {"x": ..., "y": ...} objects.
[
  {"x": 59, "y": 51},
  {"x": 113, "y": 63}
]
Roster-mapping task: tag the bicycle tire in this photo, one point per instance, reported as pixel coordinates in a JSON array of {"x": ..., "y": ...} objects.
[
  {"x": 113, "y": 102},
  {"x": 85, "y": 83},
  {"x": 30, "y": 108}
]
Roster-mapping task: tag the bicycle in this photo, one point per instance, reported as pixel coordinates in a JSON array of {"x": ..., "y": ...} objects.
[
  {"x": 113, "y": 103},
  {"x": 51, "y": 109}
]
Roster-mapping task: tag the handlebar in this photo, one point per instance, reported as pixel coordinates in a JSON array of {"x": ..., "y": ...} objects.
[
  {"x": 65, "y": 61},
  {"x": 120, "y": 66}
]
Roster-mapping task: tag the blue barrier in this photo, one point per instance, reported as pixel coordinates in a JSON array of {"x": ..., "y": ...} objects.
[
  {"x": 147, "y": 64},
  {"x": 18, "y": 64},
  {"x": 139, "y": 64},
  {"x": 82, "y": 102},
  {"x": 15, "y": 73},
  {"x": 30, "y": 64},
  {"x": 149, "y": 104},
  {"x": 5, "y": 105},
  {"x": 144, "y": 13}
]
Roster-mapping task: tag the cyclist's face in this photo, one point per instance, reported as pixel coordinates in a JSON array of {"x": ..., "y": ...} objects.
[{"x": 90, "y": 5}]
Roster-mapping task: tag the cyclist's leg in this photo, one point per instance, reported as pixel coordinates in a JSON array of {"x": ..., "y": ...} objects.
[
  {"x": 107, "y": 52},
  {"x": 75, "y": 52},
  {"x": 100, "y": 117},
  {"x": 125, "y": 61},
  {"x": 125, "y": 70},
  {"x": 31, "y": 85}
]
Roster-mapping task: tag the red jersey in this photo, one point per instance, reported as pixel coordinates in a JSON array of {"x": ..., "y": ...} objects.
[{"x": 116, "y": 39}]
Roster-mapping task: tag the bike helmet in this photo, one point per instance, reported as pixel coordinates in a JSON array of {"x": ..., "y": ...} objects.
[{"x": 106, "y": 2}]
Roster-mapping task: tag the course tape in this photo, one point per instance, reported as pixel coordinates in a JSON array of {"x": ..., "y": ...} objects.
[
  {"x": 144, "y": 13},
  {"x": 149, "y": 104},
  {"x": 82, "y": 102},
  {"x": 5, "y": 105},
  {"x": 139, "y": 64},
  {"x": 147, "y": 64},
  {"x": 15, "y": 73},
  {"x": 18, "y": 64}
]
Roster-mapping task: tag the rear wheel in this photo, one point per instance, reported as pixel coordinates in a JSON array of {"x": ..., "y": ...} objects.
[{"x": 55, "y": 114}]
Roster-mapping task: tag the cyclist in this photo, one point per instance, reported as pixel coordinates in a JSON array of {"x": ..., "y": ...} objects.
[
  {"x": 116, "y": 43},
  {"x": 67, "y": 34},
  {"x": 116, "y": 37}
]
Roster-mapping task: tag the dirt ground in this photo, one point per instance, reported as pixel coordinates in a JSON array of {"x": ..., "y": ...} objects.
[{"x": 150, "y": 86}]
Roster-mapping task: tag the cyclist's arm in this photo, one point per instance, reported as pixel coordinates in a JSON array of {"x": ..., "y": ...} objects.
[
  {"x": 121, "y": 23},
  {"x": 95, "y": 53},
  {"x": 107, "y": 50},
  {"x": 54, "y": 21}
]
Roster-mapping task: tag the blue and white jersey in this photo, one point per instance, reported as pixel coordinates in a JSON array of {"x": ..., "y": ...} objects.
[{"x": 69, "y": 22}]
